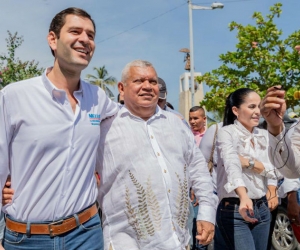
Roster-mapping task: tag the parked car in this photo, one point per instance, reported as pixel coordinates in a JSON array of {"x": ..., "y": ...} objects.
[{"x": 283, "y": 237}]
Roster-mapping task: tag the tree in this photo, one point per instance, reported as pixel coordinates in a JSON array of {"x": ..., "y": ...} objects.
[
  {"x": 262, "y": 59},
  {"x": 103, "y": 80},
  {"x": 11, "y": 68}
]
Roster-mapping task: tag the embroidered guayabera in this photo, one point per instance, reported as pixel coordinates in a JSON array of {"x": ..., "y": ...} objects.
[
  {"x": 182, "y": 200},
  {"x": 142, "y": 214},
  {"x": 132, "y": 217},
  {"x": 154, "y": 206}
]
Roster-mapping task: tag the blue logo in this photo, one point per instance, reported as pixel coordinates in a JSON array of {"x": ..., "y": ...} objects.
[{"x": 95, "y": 119}]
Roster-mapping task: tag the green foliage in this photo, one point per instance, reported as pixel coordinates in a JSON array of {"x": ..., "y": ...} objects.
[
  {"x": 262, "y": 59},
  {"x": 102, "y": 80},
  {"x": 11, "y": 68}
]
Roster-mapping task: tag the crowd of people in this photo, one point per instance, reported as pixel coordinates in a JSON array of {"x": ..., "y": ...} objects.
[{"x": 163, "y": 184}]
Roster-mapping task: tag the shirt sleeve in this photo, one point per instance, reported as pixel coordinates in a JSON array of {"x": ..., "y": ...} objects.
[
  {"x": 288, "y": 185},
  {"x": 272, "y": 182},
  {"x": 230, "y": 159},
  {"x": 111, "y": 108},
  {"x": 6, "y": 131},
  {"x": 269, "y": 171},
  {"x": 284, "y": 152},
  {"x": 201, "y": 182}
]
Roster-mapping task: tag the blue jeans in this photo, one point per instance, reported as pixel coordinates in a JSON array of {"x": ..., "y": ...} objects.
[
  {"x": 239, "y": 234},
  {"x": 219, "y": 243},
  {"x": 86, "y": 236}
]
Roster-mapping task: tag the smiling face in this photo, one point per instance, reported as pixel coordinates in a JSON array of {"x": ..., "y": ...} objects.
[
  {"x": 140, "y": 91},
  {"x": 75, "y": 46},
  {"x": 248, "y": 113}
]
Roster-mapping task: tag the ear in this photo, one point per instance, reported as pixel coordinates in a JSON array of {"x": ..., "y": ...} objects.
[
  {"x": 235, "y": 111},
  {"x": 204, "y": 118},
  {"x": 52, "y": 40},
  {"x": 121, "y": 88}
]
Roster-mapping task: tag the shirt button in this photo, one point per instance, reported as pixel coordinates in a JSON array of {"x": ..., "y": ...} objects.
[
  {"x": 158, "y": 154},
  {"x": 151, "y": 137},
  {"x": 169, "y": 191},
  {"x": 165, "y": 171}
]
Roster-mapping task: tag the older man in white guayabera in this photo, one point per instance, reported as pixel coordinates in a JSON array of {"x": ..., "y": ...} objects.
[{"x": 147, "y": 158}]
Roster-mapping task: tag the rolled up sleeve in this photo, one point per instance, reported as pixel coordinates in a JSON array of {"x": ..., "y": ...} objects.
[{"x": 288, "y": 185}]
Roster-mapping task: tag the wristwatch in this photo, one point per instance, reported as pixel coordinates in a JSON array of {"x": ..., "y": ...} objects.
[{"x": 251, "y": 164}]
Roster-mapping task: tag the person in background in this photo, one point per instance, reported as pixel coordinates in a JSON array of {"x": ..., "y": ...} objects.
[
  {"x": 162, "y": 100},
  {"x": 169, "y": 105},
  {"x": 244, "y": 174},
  {"x": 197, "y": 120}
]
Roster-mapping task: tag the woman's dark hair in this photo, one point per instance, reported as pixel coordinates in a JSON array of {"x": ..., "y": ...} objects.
[{"x": 235, "y": 99}]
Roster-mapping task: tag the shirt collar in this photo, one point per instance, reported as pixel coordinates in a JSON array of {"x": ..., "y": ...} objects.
[
  {"x": 195, "y": 132},
  {"x": 158, "y": 114},
  {"x": 54, "y": 91},
  {"x": 245, "y": 135},
  {"x": 243, "y": 130}
]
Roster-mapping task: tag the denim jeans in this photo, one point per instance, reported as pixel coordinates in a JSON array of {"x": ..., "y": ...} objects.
[
  {"x": 239, "y": 234},
  {"x": 86, "y": 236},
  {"x": 219, "y": 243}
]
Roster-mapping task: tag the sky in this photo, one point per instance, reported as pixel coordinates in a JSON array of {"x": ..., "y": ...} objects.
[{"x": 135, "y": 29}]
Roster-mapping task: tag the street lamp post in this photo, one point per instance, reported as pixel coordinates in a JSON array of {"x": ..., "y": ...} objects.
[{"x": 196, "y": 7}]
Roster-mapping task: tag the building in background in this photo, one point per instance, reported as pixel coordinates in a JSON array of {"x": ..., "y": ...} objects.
[{"x": 185, "y": 93}]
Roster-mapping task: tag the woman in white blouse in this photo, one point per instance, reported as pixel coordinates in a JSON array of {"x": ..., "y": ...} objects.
[{"x": 244, "y": 174}]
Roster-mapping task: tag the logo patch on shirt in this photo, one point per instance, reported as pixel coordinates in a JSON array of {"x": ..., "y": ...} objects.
[{"x": 95, "y": 119}]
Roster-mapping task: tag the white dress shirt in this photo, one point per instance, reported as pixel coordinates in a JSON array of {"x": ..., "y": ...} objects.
[
  {"x": 49, "y": 150},
  {"x": 234, "y": 140},
  {"x": 145, "y": 167},
  {"x": 284, "y": 151}
]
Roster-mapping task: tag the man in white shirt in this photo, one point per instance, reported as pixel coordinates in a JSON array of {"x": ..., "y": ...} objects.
[
  {"x": 145, "y": 179},
  {"x": 284, "y": 150},
  {"x": 49, "y": 134}
]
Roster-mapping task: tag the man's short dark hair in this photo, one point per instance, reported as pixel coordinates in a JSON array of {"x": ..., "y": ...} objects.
[
  {"x": 60, "y": 19},
  {"x": 196, "y": 108}
]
